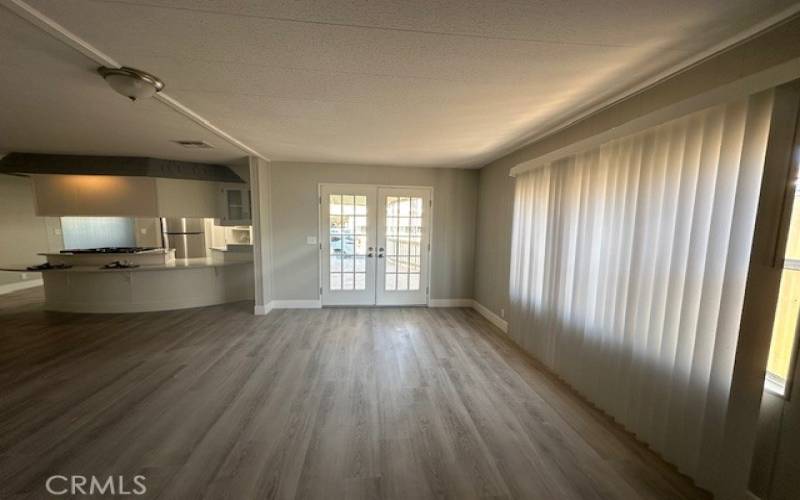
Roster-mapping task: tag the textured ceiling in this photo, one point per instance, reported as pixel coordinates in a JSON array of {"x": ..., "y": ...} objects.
[
  {"x": 53, "y": 101},
  {"x": 434, "y": 83}
]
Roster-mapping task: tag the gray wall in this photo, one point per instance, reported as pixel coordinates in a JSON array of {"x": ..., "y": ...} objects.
[
  {"x": 493, "y": 246},
  {"x": 295, "y": 265},
  {"x": 23, "y": 234}
]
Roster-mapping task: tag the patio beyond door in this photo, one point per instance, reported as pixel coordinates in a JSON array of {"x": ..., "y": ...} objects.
[{"x": 375, "y": 244}]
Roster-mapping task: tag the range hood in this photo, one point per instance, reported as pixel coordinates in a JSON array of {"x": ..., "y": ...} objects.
[{"x": 129, "y": 166}]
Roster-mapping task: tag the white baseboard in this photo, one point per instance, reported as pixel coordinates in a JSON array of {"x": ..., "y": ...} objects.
[
  {"x": 263, "y": 310},
  {"x": 316, "y": 304},
  {"x": 21, "y": 285},
  {"x": 450, "y": 303},
  {"x": 489, "y": 315},
  {"x": 295, "y": 304},
  {"x": 474, "y": 304}
]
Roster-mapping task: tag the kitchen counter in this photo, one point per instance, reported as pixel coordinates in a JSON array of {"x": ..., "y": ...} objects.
[
  {"x": 233, "y": 253},
  {"x": 178, "y": 284},
  {"x": 155, "y": 256},
  {"x": 177, "y": 264}
]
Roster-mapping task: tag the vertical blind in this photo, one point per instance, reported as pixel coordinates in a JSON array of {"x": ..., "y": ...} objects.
[{"x": 628, "y": 273}]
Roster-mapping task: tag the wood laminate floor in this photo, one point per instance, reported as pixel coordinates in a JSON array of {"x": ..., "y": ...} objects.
[{"x": 407, "y": 403}]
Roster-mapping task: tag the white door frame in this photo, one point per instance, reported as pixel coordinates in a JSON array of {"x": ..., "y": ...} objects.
[{"x": 322, "y": 231}]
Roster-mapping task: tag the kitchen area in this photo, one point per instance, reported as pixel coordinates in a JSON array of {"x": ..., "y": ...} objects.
[{"x": 144, "y": 235}]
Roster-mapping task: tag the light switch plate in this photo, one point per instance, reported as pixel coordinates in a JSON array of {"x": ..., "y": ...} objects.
[{"x": 311, "y": 240}]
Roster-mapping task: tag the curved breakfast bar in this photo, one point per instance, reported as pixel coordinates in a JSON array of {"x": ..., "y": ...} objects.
[
  {"x": 181, "y": 284},
  {"x": 152, "y": 286}
]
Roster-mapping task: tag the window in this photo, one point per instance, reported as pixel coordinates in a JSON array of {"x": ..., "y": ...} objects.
[
  {"x": 98, "y": 232},
  {"x": 784, "y": 330}
]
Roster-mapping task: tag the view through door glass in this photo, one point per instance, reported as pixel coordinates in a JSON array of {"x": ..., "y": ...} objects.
[
  {"x": 403, "y": 243},
  {"x": 348, "y": 242},
  {"x": 374, "y": 244}
]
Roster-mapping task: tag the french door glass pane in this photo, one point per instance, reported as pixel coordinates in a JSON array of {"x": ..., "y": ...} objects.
[
  {"x": 361, "y": 264},
  {"x": 403, "y": 240},
  {"x": 348, "y": 241}
]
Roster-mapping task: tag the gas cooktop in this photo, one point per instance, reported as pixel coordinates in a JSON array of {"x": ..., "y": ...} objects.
[{"x": 111, "y": 250}]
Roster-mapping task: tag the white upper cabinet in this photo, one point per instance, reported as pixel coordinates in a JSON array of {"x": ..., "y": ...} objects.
[
  {"x": 234, "y": 205},
  {"x": 121, "y": 196}
]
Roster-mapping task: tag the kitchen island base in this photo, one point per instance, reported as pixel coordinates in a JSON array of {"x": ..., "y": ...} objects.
[{"x": 183, "y": 284}]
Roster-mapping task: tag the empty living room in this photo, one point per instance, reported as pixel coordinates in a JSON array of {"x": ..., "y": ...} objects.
[{"x": 400, "y": 249}]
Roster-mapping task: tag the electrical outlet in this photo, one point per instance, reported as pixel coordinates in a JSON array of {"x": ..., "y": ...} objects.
[
  {"x": 502, "y": 313},
  {"x": 57, "y": 231},
  {"x": 311, "y": 240},
  {"x": 23, "y": 276},
  {"x": 143, "y": 230}
]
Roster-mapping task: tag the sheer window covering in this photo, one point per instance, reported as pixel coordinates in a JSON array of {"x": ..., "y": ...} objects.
[{"x": 628, "y": 272}]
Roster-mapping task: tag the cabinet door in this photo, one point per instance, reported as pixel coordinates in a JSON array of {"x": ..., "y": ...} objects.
[{"x": 235, "y": 206}]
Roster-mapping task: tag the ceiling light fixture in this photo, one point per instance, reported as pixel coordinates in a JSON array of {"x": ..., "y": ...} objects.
[{"x": 130, "y": 82}]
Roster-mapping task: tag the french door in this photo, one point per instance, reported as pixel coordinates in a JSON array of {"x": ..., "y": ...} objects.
[{"x": 374, "y": 244}]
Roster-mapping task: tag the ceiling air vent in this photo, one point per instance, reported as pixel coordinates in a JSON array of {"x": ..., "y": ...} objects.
[{"x": 194, "y": 144}]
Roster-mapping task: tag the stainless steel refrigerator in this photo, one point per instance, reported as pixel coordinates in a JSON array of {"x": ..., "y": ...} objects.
[{"x": 185, "y": 235}]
